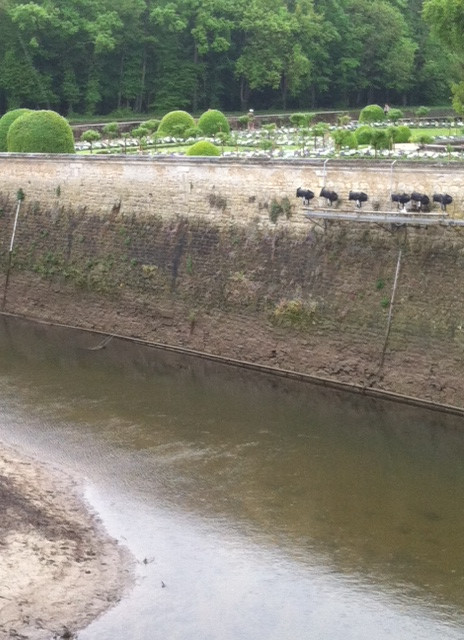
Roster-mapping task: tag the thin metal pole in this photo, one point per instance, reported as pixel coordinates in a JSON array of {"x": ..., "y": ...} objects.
[
  {"x": 324, "y": 172},
  {"x": 390, "y": 311},
  {"x": 10, "y": 252},
  {"x": 391, "y": 178}
]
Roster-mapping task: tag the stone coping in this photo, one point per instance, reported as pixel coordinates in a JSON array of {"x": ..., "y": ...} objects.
[{"x": 380, "y": 165}]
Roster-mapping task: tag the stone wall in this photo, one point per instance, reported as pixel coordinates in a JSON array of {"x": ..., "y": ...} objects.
[
  {"x": 225, "y": 189},
  {"x": 183, "y": 252}
]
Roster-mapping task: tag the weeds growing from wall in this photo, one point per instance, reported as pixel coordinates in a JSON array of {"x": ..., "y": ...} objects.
[
  {"x": 278, "y": 208},
  {"x": 295, "y": 314},
  {"x": 217, "y": 201}
]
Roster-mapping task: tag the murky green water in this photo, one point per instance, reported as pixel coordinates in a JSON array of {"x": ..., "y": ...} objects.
[{"x": 269, "y": 509}]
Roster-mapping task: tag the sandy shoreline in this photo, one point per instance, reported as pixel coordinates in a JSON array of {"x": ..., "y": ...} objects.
[{"x": 59, "y": 569}]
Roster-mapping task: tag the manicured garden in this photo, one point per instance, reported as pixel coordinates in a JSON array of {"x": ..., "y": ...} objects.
[
  {"x": 179, "y": 134},
  {"x": 304, "y": 135}
]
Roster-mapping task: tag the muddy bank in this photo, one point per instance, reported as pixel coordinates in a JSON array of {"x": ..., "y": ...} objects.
[
  {"x": 425, "y": 368},
  {"x": 58, "y": 568}
]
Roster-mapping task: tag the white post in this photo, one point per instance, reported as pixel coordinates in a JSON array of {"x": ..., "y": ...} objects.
[
  {"x": 18, "y": 206},
  {"x": 390, "y": 311}
]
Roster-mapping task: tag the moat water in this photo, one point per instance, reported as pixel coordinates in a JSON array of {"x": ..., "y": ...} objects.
[{"x": 257, "y": 508}]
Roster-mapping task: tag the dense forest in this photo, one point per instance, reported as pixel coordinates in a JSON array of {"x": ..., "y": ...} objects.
[{"x": 105, "y": 56}]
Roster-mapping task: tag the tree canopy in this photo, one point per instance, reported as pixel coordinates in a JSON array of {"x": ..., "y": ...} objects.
[{"x": 116, "y": 56}]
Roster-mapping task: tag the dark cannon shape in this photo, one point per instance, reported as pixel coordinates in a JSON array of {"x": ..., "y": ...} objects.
[
  {"x": 443, "y": 198},
  {"x": 306, "y": 194},
  {"x": 420, "y": 199},
  {"x": 330, "y": 196},
  {"x": 359, "y": 197},
  {"x": 401, "y": 199}
]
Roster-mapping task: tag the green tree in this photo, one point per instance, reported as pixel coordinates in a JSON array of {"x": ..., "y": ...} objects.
[
  {"x": 267, "y": 32},
  {"x": 141, "y": 133},
  {"x": 379, "y": 140},
  {"x": 111, "y": 130},
  {"x": 447, "y": 24},
  {"x": 91, "y": 136},
  {"x": 394, "y": 115},
  {"x": 319, "y": 130}
]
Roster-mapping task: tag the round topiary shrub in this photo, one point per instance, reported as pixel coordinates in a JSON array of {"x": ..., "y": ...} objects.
[
  {"x": 40, "y": 132},
  {"x": 5, "y": 122},
  {"x": 403, "y": 133},
  {"x": 212, "y": 122},
  {"x": 372, "y": 113},
  {"x": 176, "y": 123},
  {"x": 363, "y": 134},
  {"x": 203, "y": 148}
]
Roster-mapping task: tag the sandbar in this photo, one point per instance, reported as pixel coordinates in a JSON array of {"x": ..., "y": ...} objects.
[{"x": 59, "y": 569}]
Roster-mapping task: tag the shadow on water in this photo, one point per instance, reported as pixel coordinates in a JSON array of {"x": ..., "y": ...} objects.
[{"x": 368, "y": 487}]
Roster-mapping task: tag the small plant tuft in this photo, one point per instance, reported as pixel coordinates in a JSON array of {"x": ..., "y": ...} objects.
[
  {"x": 295, "y": 314},
  {"x": 279, "y": 208}
]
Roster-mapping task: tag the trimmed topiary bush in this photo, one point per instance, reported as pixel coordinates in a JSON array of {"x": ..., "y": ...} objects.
[
  {"x": 176, "y": 123},
  {"x": 363, "y": 134},
  {"x": 40, "y": 132},
  {"x": 404, "y": 134},
  {"x": 203, "y": 148},
  {"x": 212, "y": 122},
  {"x": 372, "y": 113},
  {"x": 5, "y": 122}
]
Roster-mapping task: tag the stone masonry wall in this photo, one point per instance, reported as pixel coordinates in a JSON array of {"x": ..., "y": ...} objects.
[
  {"x": 183, "y": 252},
  {"x": 221, "y": 188}
]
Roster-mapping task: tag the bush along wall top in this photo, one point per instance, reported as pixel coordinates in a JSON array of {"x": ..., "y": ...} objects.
[
  {"x": 5, "y": 122},
  {"x": 40, "y": 132}
]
